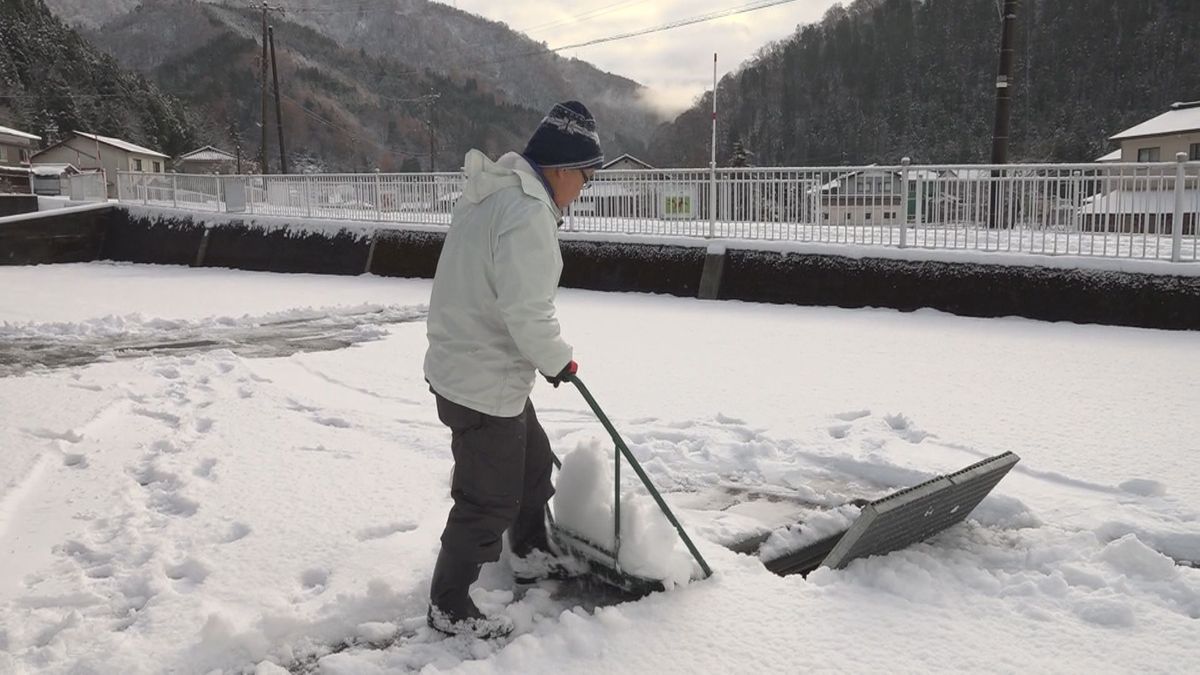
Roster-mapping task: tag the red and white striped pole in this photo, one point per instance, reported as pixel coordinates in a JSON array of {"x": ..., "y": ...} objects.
[{"x": 712, "y": 164}]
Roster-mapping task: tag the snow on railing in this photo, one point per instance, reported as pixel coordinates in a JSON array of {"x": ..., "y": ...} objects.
[{"x": 1105, "y": 210}]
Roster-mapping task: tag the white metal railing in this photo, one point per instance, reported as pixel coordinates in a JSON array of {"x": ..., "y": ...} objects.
[{"x": 1103, "y": 210}]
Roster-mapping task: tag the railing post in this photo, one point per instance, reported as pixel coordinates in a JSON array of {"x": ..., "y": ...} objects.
[
  {"x": 175, "y": 190},
  {"x": 1177, "y": 219},
  {"x": 145, "y": 188},
  {"x": 378, "y": 198},
  {"x": 904, "y": 164},
  {"x": 308, "y": 194},
  {"x": 712, "y": 200}
]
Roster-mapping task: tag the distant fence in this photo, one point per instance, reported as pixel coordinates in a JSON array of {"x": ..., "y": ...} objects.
[
  {"x": 88, "y": 187},
  {"x": 1144, "y": 211}
]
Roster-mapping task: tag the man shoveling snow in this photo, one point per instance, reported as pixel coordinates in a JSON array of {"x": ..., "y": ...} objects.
[{"x": 491, "y": 328}]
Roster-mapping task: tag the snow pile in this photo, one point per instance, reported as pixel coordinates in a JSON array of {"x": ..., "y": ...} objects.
[
  {"x": 583, "y": 504},
  {"x": 819, "y": 525}
]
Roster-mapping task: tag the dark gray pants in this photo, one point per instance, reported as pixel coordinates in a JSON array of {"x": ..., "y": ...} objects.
[{"x": 501, "y": 482}]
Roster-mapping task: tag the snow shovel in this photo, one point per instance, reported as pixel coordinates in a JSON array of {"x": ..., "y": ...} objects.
[{"x": 604, "y": 564}]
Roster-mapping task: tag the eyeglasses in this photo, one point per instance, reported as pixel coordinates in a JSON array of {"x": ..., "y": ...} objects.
[{"x": 587, "y": 180}]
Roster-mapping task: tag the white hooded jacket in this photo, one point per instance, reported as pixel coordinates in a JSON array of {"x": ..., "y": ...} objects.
[{"x": 491, "y": 319}]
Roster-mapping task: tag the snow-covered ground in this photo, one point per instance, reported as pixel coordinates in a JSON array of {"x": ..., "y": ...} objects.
[{"x": 202, "y": 510}]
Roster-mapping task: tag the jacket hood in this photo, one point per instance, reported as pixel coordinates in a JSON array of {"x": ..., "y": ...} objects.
[{"x": 485, "y": 178}]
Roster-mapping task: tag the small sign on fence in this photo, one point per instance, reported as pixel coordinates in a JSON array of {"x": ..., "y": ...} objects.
[{"x": 677, "y": 204}]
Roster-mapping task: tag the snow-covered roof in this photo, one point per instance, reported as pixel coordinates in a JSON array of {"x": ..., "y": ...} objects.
[
  {"x": 53, "y": 170},
  {"x": 122, "y": 145},
  {"x": 1120, "y": 202},
  {"x": 208, "y": 154},
  {"x": 629, "y": 157},
  {"x": 19, "y": 134},
  {"x": 1114, "y": 156},
  {"x": 1181, "y": 118}
]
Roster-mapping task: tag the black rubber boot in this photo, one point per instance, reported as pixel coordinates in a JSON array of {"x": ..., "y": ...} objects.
[
  {"x": 528, "y": 532},
  {"x": 451, "y": 609}
]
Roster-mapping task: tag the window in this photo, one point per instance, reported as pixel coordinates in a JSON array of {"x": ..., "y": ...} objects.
[
  {"x": 158, "y": 167},
  {"x": 1149, "y": 154},
  {"x": 137, "y": 164},
  {"x": 3, "y": 153},
  {"x": 1194, "y": 152},
  {"x": 868, "y": 215}
]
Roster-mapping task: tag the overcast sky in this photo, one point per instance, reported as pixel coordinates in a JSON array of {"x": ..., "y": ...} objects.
[{"x": 675, "y": 64}]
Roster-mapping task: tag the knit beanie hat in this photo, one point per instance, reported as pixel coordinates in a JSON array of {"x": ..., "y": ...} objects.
[{"x": 566, "y": 139}]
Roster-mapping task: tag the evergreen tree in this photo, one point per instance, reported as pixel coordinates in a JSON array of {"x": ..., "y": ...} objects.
[{"x": 882, "y": 79}]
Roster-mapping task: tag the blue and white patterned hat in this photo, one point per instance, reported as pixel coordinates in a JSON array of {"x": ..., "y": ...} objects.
[{"x": 566, "y": 139}]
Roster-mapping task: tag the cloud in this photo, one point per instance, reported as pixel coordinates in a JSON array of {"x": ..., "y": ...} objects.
[{"x": 676, "y": 65}]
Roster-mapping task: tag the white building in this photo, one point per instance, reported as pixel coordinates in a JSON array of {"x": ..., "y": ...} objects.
[{"x": 88, "y": 151}]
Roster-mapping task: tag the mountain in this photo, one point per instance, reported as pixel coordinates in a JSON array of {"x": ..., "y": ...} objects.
[
  {"x": 412, "y": 36},
  {"x": 53, "y": 82},
  {"x": 343, "y": 110},
  {"x": 883, "y": 79}
]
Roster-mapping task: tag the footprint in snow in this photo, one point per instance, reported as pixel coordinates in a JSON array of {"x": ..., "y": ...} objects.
[
  {"x": 191, "y": 570},
  {"x": 904, "y": 428},
  {"x": 205, "y": 468},
  {"x": 150, "y": 476},
  {"x": 75, "y": 460},
  {"x": 204, "y": 425},
  {"x": 851, "y": 415},
  {"x": 336, "y": 422},
  {"x": 168, "y": 372},
  {"x": 165, "y": 446},
  {"x": 314, "y": 578},
  {"x": 839, "y": 430},
  {"x": 165, "y": 417},
  {"x": 381, "y": 531},
  {"x": 1144, "y": 488},
  {"x": 70, "y": 435},
  {"x": 172, "y": 504},
  {"x": 237, "y": 531}
]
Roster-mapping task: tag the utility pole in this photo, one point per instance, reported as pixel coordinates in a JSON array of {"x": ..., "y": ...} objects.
[
  {"x": 1004, "y": 86},
  {"x": 1004, "y": 83},
  {"x": 262, "y": 156},
  {"x": 431, "y": 123},
  {"x": 278, "y": 109}
]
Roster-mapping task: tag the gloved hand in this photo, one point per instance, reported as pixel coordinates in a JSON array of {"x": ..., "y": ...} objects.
[{"x": 563, "y": 375}]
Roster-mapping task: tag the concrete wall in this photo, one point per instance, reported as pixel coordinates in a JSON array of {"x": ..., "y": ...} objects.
[
  {"x": 11, "y": 205},
  {"x": 968, "y": 289},
  {"x": 54, "y": 237}
]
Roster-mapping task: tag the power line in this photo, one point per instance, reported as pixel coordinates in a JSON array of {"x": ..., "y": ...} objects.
[
  {"x": 348, "y": 133},
  {"x": 582, "y": 16},
  {"x": 702, "y": 18}
]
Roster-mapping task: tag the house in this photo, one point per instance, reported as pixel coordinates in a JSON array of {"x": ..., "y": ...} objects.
[
  {"x": 1159, "y": 139},
  {"x": 625, "y": 162},
  {"x": 91, "y": 152},
  {"x": 15, "y": 150},
  {"x": 1114, "y": 156},
  {"x": 630, "y": 196},
  {"x": 207, "y": 160},
  {"x": 1139, "y": 203}
]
